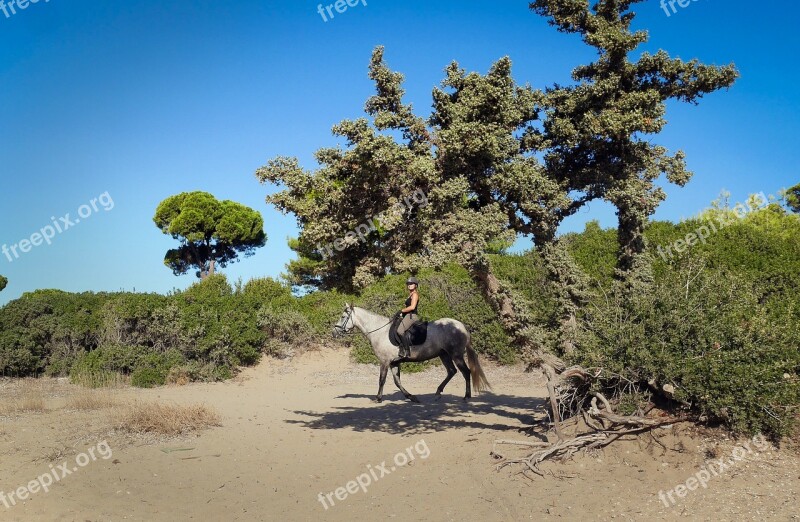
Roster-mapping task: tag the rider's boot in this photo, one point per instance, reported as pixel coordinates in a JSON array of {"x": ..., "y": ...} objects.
[
  {"x": 406, "y": 344},
  {"x": 404, "y": 351}
]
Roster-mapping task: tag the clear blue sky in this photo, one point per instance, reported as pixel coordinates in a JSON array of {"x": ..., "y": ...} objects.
[{"x": 146, "y": 99}]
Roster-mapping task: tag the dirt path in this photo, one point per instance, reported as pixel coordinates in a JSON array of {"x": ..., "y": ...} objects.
[{"x": 294, "y": 429}]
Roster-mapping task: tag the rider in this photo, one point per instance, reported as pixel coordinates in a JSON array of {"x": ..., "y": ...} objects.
[{"x": 409, "y": 316}]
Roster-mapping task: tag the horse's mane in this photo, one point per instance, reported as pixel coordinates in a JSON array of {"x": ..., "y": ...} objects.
[{"x": 373, "y": 314}]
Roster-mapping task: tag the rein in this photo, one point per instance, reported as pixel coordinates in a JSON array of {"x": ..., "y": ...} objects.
[
  {"x": 376, "y": 329},
  {"x": 350, "y": 315}
]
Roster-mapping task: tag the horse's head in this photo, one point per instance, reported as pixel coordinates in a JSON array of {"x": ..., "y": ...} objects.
[{"x": 345, "y": 324}]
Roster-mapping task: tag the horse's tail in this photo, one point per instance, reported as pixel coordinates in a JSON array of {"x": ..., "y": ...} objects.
[{"x": 479, "y": 382}]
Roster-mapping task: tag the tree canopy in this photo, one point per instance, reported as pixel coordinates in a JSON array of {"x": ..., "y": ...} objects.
[
  {"x": 495, "y": 159},
  {"x": 211, "y": 232},
  {"x": 597, "y": 131},
  {"x": 3, "y": 283},
  {"x": 793, "y": 198}
]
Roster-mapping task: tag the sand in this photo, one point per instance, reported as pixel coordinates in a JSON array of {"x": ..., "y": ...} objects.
[{"x": 294, "y": 429}]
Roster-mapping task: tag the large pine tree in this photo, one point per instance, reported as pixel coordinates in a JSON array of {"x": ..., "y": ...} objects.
[{"x": 495, "y": 160}]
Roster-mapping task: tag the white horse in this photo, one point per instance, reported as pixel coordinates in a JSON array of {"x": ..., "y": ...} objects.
[{"x": 447, "y": 339}]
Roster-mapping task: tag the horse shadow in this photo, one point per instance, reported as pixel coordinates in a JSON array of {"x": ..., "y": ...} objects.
[{"x": 397, "y": 415}]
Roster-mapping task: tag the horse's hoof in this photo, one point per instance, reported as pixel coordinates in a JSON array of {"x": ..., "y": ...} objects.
[
  {"x": 438, "y": 397},
  {"x": 377, "y": 399},
  {"x": 466, "y": 399},
  {"x": 413, "y": 399}
]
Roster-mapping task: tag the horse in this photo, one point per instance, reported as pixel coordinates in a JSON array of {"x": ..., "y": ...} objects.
[{"x": 447, "y": 339}]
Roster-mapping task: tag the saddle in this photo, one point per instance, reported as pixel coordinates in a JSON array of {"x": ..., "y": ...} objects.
[{"x": 417, "y": 333}]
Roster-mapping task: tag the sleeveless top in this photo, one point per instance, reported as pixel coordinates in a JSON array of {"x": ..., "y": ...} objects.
[{"x": 408, "y": 303}]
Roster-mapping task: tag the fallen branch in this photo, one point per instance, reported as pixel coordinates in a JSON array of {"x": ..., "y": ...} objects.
[
  {"x": 565, "y": 448},
  {"x": 605, "y": 425}
]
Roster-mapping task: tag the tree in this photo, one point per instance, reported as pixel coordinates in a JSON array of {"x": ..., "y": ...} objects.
[
  {"x": 595, "y": 131},
  {"x": 481, "y": 189},
  {"x": 492, "y": 169},
  {"x": 3, "y": 283},
  {"x": 211, "y": 232},
  {"x": 595, "y": 135},
  {"x": 793, "y": 198},
  {"x": 382, "y": 203}
]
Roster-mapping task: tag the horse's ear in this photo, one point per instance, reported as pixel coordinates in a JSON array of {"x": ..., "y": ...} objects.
[
  {"x": 351, "y": 306},
  {"x": 347, "y": 306}
]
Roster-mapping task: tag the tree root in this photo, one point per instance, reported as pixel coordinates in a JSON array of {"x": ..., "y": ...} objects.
[
  {"x": 605, "y": 425},
  {"x": 566, "y": 448}
]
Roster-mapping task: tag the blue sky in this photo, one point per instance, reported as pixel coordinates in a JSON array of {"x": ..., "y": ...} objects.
[{"x": 146, "y": 99}]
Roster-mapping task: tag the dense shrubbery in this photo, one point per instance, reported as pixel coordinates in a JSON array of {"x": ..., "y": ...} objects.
[
  {"x": 203, "y": 333},
  {"x": 209, "y": 330},
  {"x": 705, "y": 334},
  {"x": 719, "y": 325}
]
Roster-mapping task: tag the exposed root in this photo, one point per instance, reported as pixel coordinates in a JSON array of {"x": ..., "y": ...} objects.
[{"x": 569, "y": 392}]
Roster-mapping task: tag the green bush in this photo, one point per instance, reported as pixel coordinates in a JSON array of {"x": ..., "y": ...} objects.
[
  {"x": 705, "y": 332},
  {"x": 283, "y": 330},
  {"x": 719, "y": 324},
  {"x": 261, "y": 291},
  {"x": 148, "y": 378}
]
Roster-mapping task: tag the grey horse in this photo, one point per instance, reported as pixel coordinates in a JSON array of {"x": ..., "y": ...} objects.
[{"x": 447, "y": 339}]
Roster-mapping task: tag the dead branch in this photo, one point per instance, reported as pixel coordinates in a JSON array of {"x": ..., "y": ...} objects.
[{"x": 568, "y": 392}]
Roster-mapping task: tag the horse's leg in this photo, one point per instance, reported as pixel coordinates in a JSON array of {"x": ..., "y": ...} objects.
[
  {"x": 462, "y": 365},
  {"x": 451, "y": 371},
  {"x": 396, "y": 374},
  {"x": 382, "y": 381}
]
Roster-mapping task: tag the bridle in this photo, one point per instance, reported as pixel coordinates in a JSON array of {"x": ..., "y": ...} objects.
[{"x": 343, "y": 327}]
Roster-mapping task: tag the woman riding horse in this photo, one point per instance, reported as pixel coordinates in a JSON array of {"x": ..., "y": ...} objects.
[
  {"x": 447, "y": 339},
  {"x": 409, "y": 317}
]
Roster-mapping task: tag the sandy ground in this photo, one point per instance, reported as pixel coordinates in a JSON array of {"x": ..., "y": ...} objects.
[{"x": 294, "y": 429}]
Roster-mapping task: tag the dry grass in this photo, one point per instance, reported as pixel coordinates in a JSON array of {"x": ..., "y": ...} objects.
[
  {"x": 28, "y": 397},
  {"x": 101, "y": 379},
  {"x": 89, "y": 400},
  {"x": 166, "y": 419},
  {"x": 179, "y": 376}
]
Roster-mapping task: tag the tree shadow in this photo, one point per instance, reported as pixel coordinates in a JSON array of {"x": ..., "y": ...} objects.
[{"x": 397, "y": 415}]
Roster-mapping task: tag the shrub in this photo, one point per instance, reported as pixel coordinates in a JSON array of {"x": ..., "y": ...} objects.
[
  {"x": 266, "y": 291},
  {"x": 283, "y": 331},
  {"x": 148, "y": 377},
  {"x": 705, "y": 332}
]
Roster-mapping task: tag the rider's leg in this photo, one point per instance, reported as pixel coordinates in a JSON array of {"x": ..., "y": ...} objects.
[
  {"x": 406, "y": 343},
  {"x": 403, "y": 351},
  {"x": 402, "y": 329}
]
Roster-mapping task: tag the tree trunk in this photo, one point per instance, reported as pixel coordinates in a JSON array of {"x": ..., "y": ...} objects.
[
  {"x": 528, "y": 337},
  {"x": 630, "y": 234},
  {"x": 570, "y": 285}
]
